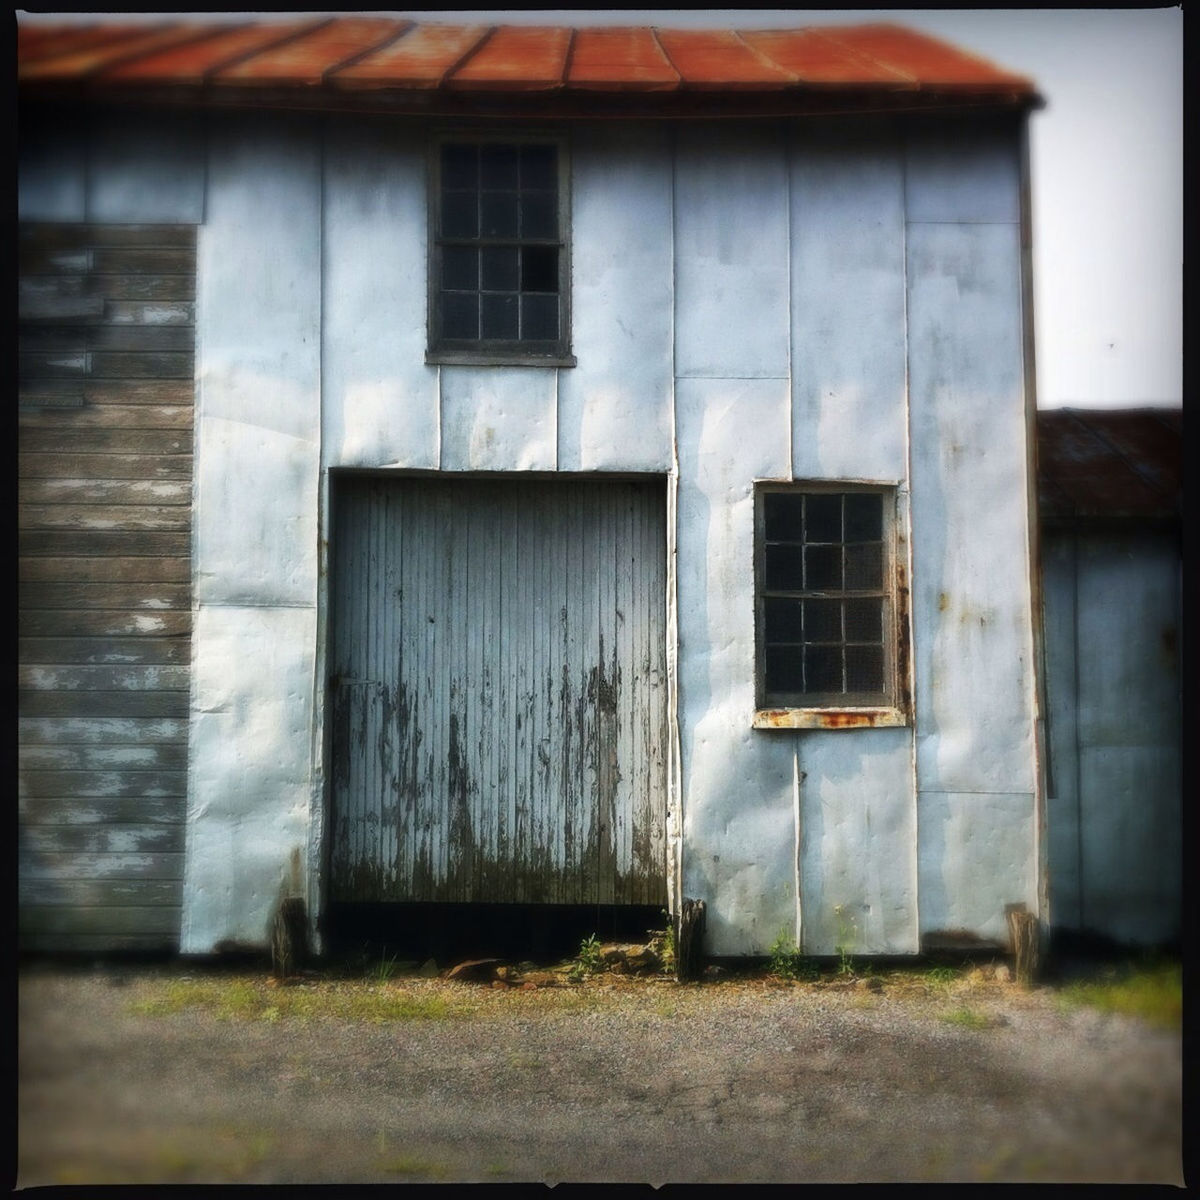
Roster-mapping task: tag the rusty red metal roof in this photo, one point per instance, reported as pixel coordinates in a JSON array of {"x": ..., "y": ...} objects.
[
  {"x": 1100, "y": 464},
  {"x": 344, "y": 61}
]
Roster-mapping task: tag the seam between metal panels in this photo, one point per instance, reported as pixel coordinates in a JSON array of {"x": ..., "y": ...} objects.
[
  {"x": 798, "y": 775},
  {"x": 319, "y": 807},
  {"x": 675, "y": 749},
  {"x": 910, "y": 613},
  {"x": 976, "y": 792},
  {"x": 1039, "y": 697},
  {"x": 985, "y": 221},
  {"x": 1078, "y": 773},
  {"x": 1132, "y": 464}
]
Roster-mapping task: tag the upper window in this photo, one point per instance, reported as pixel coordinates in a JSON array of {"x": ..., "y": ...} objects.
[
  {"x": 826, "y": 616},
  {"x": 499, "y": 270}
]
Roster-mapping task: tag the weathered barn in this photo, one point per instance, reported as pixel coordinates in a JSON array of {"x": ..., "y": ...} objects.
[
  {"x": 1109, "y": 486},
  {"x": 526, "y": 467}
]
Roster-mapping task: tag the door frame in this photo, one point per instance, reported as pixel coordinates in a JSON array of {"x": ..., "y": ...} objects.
[{"x": 321, "y": 803}]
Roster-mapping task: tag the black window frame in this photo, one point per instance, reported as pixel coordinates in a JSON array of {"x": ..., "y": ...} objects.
[
  {"x": 495, "y": 351},
  {"x": 889, "y": 704}
]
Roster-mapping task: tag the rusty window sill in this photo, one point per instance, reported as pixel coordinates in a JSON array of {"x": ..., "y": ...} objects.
[{"x": 829, "y": 718}]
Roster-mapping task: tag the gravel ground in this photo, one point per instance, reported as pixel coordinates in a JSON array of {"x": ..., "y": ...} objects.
[{"x": 613, "y": 1080}]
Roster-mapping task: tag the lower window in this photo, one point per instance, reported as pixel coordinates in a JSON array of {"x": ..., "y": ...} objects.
[{"x": 827, "y": 620}]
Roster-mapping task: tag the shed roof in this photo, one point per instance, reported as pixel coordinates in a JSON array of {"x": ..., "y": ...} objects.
[
  {"x": 1099, "y": 464},
  {"x": 392, "y": 63}
]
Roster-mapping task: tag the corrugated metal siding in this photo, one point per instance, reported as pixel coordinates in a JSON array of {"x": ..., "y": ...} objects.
[
  {"x": 105, "y": 478},
  {"x": 499, "y": 691}
]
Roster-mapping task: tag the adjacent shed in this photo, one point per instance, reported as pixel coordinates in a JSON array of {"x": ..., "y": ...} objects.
[
  {"x": 1110, "y": 487},
  {"x": 612, "y": 480}
]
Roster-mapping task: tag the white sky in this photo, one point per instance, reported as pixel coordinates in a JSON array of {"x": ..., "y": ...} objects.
[{"x": 1107, "y": 166}]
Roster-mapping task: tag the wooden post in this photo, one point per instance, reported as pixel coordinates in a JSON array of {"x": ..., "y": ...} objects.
[
  {"x": 289, "y": 937},
  {"x": 1024, "y": 938},
  {"x": 689, "y": 927}
]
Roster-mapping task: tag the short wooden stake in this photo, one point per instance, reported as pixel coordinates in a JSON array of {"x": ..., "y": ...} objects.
[
  {"x": 689, "y": 927},
  {"x": 1024, "y": 937}
]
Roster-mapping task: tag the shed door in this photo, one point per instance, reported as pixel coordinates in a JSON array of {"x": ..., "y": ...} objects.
[{"x": 499, "y": 691}]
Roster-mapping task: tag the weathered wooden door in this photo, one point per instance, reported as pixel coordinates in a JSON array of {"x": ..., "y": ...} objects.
[{"x": 499, "y": 691}]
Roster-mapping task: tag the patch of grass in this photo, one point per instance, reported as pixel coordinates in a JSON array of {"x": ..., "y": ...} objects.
[
  {"x": 1152, "y": 992},
  {"x": 941, "y": 976},
  {"x": 966, "y": 1018},
  {"x": 257, "y": 1000},
  {"x": 412, "y": 1166}
]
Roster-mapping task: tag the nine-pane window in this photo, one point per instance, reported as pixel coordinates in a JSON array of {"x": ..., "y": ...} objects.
[
  {"x": 824, "y": 604},
  {"x": 499, "y": 268}
]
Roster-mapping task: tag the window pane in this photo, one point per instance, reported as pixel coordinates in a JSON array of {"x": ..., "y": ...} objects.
[
  {"x": 539, "y": 269},
  {"x": 539, "y": 318},
  {"x": 822, "y": 669},
  {"x": 500, "y": 267},
  {"x": 864, "y": 566},
  {"x": 864, "y": 620},
  {"x": 460, "y": 268},
  {"x": 460, "y": 315},
  {"x": 822, "y": 620},
  {"x": 864, "y": 517},
  {"x": 498, "y": 166},
  {"x": 824, "y": 519},
  {"x": 498, "y": 214},
  {"x": 498, "y": 316},
  {"x": 460, "y": 214},
  {"x": 539, "y": 215},
  {"x": 864, "y": 668},
  {"x": 783, "y": 515},
  {"x": 539, "y": 167},
  {"x": 783, "y": 569},
  {"x": 782, "y": 620},
  {"x": 460, "y": 166},
  {"x": 823, "y": 568},
  {"x": 785, "y": 669}
]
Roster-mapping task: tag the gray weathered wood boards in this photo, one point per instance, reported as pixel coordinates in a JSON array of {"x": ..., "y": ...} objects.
[
  {"x": 499, "y": 690},
  {"x": 105, "y": 487}
]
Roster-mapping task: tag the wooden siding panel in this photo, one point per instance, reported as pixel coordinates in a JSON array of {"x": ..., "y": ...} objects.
[
  {"x": 489, "y": 732},
  {"x": 101, "y": 650},
  {"x": 104, "y": 595},
  {"x": 102, "y": 704},
  {"x": 146, "y": 594},
  {"x": 54, "y": 867},
  {"x": 105, "y": 466}
]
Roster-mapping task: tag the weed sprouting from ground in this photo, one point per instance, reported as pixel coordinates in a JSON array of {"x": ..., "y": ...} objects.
[
  {"x": 588, "y": 961},
  {"x": 384, "y": 969},
  {"x": 847, "y": 939},
  {"x": 786, "y": 961},
  {"x": 1151, "y": 991}
]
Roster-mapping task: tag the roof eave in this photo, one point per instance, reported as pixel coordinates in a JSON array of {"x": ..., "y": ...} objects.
[{"x": 810, "y": 99}]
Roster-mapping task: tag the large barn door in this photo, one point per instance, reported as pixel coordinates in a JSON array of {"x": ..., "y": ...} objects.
[{"x": 499, "y": 691}]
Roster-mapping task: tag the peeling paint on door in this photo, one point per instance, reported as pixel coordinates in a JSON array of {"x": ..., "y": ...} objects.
[{"x": 499, "y": 690}]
